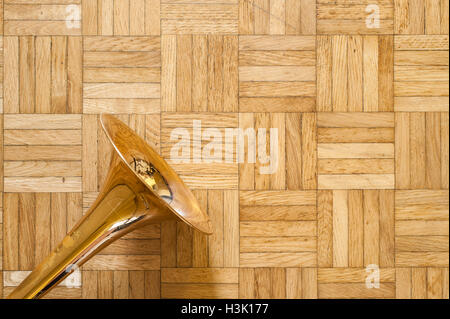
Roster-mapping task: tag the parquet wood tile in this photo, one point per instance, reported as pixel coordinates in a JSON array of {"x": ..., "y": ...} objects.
[
  {"x": 421, "y": 17},
  {"x": 199, "y": 282},
  {"x": 42, "y": 153},
  {"x": 199, "y": 73},
  {"x": 421, "y": 75},
  {"x": 355, "y": 73},
  {"x": 42, "y": 17},
  {"x": 213, "y": 174},
  {"x": 352, "y": 153},
  {"x": 421, "y": 147},
  {"x": 291, "y": 17},
  {"x": 183, "y": 247},
  {"x": 421, "y": 228},
  {"x": 350, "y": 283},
  {"x": 1, "y": 235},
  {"x": 277, "y": 73},
  {"x": 1, "y": 73},
  {"x": 121, "y": 75},
  {"x": 357, "y": 195},
  {"x": 199, "y": 17},
  {"x": 355, "y": 228},
  {"x": 1, "y": 20},
  {"x": 121, "y": 17},
  {"x": 278, "y": 283},
  {"x": 351, "y": 17},
  {"x": 422, "y": 283},
  {"x": 43, "y": 74},
  {"x": 121, "y": 284}
]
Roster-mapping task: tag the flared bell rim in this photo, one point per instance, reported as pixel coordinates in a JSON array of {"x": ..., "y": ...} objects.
[{"x": 184, "y": 205}]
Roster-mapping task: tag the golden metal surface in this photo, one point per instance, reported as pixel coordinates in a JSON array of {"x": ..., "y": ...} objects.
[{"x": 140, "y": 189}]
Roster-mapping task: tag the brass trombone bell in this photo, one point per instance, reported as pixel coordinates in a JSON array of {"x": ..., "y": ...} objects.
[{"x": 140, "y": 189}]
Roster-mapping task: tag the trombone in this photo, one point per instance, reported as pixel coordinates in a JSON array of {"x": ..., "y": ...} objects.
[{"x": 140, "y": 189}]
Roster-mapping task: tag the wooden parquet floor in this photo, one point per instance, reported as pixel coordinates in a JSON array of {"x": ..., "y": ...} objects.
[{"x": 358, "y": 90}]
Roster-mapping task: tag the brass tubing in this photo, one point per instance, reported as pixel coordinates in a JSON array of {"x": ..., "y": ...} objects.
[
  {"x": 140, "y": 189},
  {"x": 109, "y": 219}
]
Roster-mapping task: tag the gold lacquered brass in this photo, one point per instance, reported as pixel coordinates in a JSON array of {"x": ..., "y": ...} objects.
[{"x": 140, "y": 189}]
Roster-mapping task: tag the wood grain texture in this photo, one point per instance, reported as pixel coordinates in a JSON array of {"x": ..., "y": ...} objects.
[
  {"x": 199, "y": 18},
  {"x": 420, "y": 162},
  {"x": 419, "y": 217},
  {"x": 421, "y": 17},
  {"x": 351, "y": 17},
  {"x": 355, "y": 73},
  {"x": 50, "y": 71},
  {"x": 356, "y": 228},
  {"x": 274, "y": 81},
  {"x": 360, "y": 111},
  {"x": 421, "y": 81},
  {"x": 121, "y": 17},
  {"x": 355, "y": 157},
  {"x": 122, "y": 75}
]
